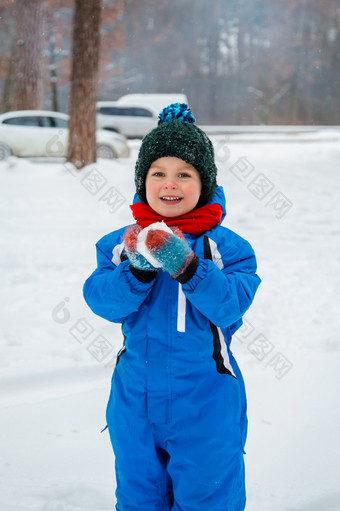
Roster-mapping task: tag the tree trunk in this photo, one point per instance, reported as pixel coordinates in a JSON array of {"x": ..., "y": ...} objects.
[
  {"x": 27, "y": 80},
  {"x": 85, "y": 57},
  {"x": 53, "y": 69}
]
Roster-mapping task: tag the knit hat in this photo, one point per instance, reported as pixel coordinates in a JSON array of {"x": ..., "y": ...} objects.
[{"x": 177, "y": 135}]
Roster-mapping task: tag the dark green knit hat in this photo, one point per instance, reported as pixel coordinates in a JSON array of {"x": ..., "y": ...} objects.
[{"x": 177, "y": 135}]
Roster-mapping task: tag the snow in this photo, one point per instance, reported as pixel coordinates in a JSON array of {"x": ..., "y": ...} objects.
[{"x": 57, "y": 357}]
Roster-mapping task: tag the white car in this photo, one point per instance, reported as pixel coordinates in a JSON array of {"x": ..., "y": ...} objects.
[
  {"x": 131, "y": 121},
  {"x": 35, "y": 133},
  {"x": 134, "y": 115},
  {"x": 155, "y": 101}
]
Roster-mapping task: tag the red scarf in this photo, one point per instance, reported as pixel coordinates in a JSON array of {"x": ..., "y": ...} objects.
[{"x": 196, "y": 221}]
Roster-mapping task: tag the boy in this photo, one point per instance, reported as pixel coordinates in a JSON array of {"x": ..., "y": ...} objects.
[{"x": 179, "y": 283}]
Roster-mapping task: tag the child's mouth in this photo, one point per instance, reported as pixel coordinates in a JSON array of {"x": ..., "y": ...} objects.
[{"x": 171, "y": 199}]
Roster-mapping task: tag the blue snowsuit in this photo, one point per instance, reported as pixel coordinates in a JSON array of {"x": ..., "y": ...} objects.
[{"x": 177, "y": 408}]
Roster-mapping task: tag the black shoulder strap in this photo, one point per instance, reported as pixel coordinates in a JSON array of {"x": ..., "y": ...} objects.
[
  {"x": 207, "y": 248},
  {"x": 217, "y": 355}
]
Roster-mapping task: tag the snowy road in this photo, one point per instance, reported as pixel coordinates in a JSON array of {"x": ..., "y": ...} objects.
[{"x": 57, "y": 357}]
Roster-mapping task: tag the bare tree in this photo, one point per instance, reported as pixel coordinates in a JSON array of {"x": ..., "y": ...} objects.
[
  {"x": 26, "y": 65},
  {"x": 85, "y": 56},
  {"x": 239, "y": 62}
]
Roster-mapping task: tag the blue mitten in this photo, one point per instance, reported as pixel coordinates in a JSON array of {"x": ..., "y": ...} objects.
[
  {"x": 172, "y": 252},
  {"x": 136, "y": 259}
]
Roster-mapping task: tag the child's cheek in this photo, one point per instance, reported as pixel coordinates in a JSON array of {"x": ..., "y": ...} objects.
[
  {"x": 151, "y": 189},
  {"x": 192, "y": 190}
]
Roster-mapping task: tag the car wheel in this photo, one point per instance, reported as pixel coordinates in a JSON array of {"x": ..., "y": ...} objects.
[
  {"x": 5, "y": 152},
  {"x": 106, "y": 151}
]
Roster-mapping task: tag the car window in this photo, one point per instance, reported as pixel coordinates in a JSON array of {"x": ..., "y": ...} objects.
[
  {"x": 111, "y": 110},
  {"x": 105, "y": 110},
  {"x": 140, "y": 112},
  {"x": 56, "y": 122},
  {"x": 126, "y": 111},
  {"x": 29, "y": 120},
  {"x": 43, "y": 121}
]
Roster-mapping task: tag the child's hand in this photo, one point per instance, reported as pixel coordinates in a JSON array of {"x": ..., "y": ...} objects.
[
  {"x": 171, "y": 251},
  {"x": 136, "y": 259}
]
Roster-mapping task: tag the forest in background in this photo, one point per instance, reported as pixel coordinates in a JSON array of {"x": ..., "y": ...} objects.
[{"x": 238, "y": 61}]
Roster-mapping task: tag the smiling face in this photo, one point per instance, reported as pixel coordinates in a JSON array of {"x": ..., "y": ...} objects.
[{"x": 173, "y": 187}]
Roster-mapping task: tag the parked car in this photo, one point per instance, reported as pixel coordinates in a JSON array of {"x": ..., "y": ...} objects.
[
  {"x": 131, "y": 121},
  {"x": 29, "y": 133},
  {"x": 134, "y": 115}
]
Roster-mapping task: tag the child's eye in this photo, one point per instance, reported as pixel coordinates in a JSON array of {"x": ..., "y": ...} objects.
[
  {"x": 157, "y": 173},
  {"x": 184, "y": 174}
]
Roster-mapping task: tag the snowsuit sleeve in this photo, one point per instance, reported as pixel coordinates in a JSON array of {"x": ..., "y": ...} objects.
[
  {"x": 223, "y": 290},
  {"x": 112, "y": 291}
]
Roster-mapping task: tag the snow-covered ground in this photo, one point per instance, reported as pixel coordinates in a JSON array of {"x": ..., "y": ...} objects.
[{"x": 57, "y": 357}]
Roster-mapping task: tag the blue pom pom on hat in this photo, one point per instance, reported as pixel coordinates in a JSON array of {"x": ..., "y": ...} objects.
[
  {"x": 179, "y": 111},
  {"x": 177, "y": 135}
]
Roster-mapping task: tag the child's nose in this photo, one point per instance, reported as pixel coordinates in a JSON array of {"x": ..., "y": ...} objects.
[{"x": 170, "y": 183}]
